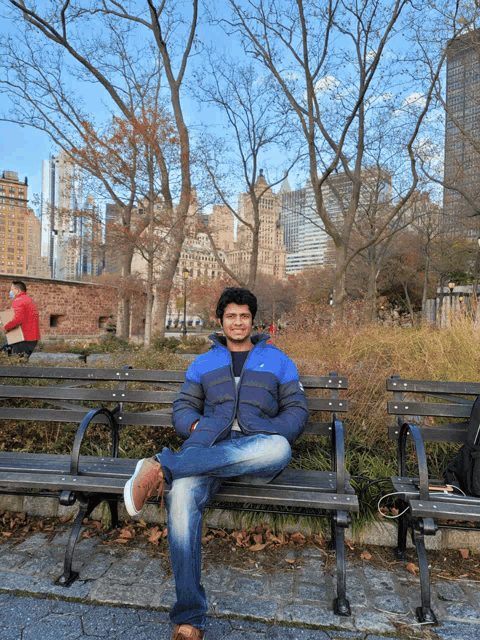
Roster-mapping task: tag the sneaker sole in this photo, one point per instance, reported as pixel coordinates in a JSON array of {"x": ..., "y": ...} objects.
[{"x": 128, "y": 493}]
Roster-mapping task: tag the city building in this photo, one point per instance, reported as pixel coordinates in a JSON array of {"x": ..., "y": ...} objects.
[
  {"x": 37, "y": 265},
  {"x": 462, "y": 126},
  {"x": 196, "y": 256},
  {"x": 18, "y": 226},
  {"x": 68, "y": 224},
  {"x": 306, "y": 241},
  {"x": 221, "y": 224},
  {"x": 304, "y": 236},
  {"x": 271, "y": 248}
]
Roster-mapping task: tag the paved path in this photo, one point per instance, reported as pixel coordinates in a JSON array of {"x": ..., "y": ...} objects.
[{"x": 126, "y": 593}]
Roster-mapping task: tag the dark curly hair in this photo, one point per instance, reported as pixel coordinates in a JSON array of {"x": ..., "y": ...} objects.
[{"x": 236, "y": 295}]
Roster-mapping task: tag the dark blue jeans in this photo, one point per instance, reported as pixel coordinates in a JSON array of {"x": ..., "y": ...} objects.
[{"x": 196, "y": 474}]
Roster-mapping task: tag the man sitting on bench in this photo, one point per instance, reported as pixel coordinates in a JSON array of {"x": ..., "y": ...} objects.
[{"x": 240, "y": 408}]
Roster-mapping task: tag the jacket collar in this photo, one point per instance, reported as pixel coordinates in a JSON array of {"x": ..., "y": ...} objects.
[{"x": 219, "y": 340}]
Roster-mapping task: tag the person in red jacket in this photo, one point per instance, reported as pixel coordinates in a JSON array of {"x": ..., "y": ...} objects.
[{"x": 26, "y": 315}]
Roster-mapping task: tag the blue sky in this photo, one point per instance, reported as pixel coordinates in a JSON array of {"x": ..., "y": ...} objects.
[{"x": 22, "y": 149}]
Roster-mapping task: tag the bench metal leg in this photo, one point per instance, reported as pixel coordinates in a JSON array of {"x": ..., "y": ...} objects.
[
  {"x": 87, "y": 505},
  {"x": 341, "y": 606},
  {"x": 113, "y": 504},
  {"x": 424, "y": 613},
  {"x": 401, "y": 551}
]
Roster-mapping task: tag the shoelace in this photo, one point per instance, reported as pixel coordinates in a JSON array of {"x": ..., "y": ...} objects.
[{"x": 154, "y": 483}]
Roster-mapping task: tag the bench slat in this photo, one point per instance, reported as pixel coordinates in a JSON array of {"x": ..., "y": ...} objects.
[
  {"x": 266, "y": 494},
  {"x": 48, "y": 415},
  {"x": 154, "y": 419},
  {"x": 141, "y": 375},
  {"x": 438, "y": 433},
  {"x": 435, "y": 386},
  {"x": 412, "y": 408},
  {"x": 116, "y": 395},
  {"x": 103, "y": 395},
  {"x": 90, "y": 374},
  {"x": 448, "y": 510}
]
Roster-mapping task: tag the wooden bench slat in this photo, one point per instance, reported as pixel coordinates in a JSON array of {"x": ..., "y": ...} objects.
[
  {"x": 266, "y": 494},
  {"x": 327, "y": 404},
  {"x": 92, "y": 374},
  {"x": 447, "y": 510},
  {"x": 437, "y": 433},
  {"x": 413, "y": 408},
  {"x": 140, "y": 375},
  {"x": 435, "y": 386},
  {"x": 102, "y": 395},
  {"x": 47, "y": 415}
]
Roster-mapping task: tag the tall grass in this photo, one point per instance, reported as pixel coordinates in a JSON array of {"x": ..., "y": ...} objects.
[{"x": 368, "y": 355}]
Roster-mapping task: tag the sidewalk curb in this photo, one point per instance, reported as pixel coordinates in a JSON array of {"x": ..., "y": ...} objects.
[{"x": 382, "y": 534}]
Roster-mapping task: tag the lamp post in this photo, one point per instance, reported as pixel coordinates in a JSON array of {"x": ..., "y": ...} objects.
[
  {"x": 451, "y": 286},
  {"x": 185, "y": 274},
  {"x": 477, "y": 268}
]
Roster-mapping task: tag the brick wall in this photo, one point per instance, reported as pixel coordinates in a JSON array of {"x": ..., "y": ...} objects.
[{"x": 70, "y": 308}]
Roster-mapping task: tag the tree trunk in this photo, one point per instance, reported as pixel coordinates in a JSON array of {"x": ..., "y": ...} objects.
[
  {"x": 123, "y": 309},
  {"x": 147, "y": 338},
  {"x": 409, "y": 303},
  {"x": 424, "y": 290},
  {"x": 372, "y": 285},
  {"x": 339, "y": 291}
]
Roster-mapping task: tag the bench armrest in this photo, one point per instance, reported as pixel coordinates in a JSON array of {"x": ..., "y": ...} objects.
[
  {"x": 338, "y": 453},
  {"x": 77, "y": 443},
  {"x": 410, "y": 428}
]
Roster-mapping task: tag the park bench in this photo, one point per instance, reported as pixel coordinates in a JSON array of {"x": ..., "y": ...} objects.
[
  {"x": 116, "y": 402},
  {"x": 428, "y": 411}
]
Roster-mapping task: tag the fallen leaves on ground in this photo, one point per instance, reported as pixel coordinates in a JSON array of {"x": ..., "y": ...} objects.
[{"x": 451, "y": 565}]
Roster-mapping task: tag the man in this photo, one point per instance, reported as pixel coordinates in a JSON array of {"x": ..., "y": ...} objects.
[
  {"x": 240, "y": 408},
  {"x": 25, "y": 315}
]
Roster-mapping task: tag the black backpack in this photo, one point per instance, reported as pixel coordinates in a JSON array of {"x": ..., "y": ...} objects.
[{"x": 465, "y": 466}]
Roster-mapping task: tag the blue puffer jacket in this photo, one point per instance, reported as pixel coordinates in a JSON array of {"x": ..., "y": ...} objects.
[{"x": 269, "y": 397}]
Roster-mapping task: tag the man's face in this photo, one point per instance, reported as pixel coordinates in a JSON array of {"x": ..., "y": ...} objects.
[
  {"x": 237, "y": 323},
  {"x": 14, "y": 290}
]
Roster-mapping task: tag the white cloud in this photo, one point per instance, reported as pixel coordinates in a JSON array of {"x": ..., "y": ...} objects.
[
  {"x": 415, "y": 99},
  {"x": 327, "y": 83}
]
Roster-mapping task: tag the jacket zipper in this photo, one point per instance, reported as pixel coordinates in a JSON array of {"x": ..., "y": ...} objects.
[{"x": 237, "y": 389}]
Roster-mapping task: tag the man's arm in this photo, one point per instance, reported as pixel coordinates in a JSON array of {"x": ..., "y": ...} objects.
[{"x": 188, "y": 406}]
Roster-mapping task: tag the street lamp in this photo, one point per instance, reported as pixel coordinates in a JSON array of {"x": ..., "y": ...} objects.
[
  {"x": 477, "y": 268},
  {"x": 451, "y": 286},
  {"x": 185, "y": 274}
]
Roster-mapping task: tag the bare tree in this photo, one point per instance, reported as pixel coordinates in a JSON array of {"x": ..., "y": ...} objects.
[
  {"x": 256, "y": 141},
  {"x": 81, "y": 34},
  {"x": 340, "y": 71}
]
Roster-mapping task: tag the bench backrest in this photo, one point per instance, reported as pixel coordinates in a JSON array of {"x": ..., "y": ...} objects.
[
  {"x": 131, "y": 394},
  {"x": 425, "y": 401}
]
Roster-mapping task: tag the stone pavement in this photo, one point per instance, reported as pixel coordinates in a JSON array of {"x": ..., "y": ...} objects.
[{"x": 126, "y": 593}]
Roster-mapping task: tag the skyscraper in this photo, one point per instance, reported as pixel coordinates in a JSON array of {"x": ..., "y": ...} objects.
[
  {"x": 67, "y": 222},
  {"x": 462, "y": 130},
  {"x": 307, "y": 242}
]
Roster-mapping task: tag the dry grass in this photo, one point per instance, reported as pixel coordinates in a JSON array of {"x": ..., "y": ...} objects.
[{"x": 368, "y": 355}]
